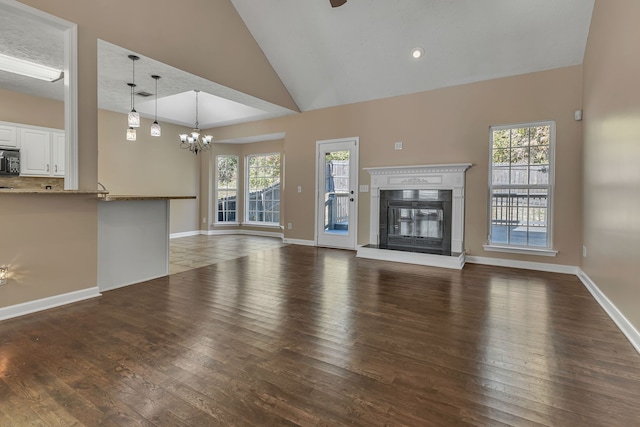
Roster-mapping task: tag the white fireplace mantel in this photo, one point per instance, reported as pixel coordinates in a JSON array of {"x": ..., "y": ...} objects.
[{"x": 421, "y": 177}]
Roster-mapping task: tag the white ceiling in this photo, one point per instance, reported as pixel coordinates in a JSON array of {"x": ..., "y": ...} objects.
[
  {"x": 217, "y": 105},
  {"x": 361, "y": 51},
  {"x": 331, "y": 56},
  {"x": 30, "y": 38}
]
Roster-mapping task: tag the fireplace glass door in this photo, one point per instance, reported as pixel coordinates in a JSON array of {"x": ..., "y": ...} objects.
[{"x": 416, "y": 221}]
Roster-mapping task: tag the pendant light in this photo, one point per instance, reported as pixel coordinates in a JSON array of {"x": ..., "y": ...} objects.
[
  {"x": 134, "y": 117},
  {"x": 156, "y": 130},
  {"x": 131, "y": 131}
]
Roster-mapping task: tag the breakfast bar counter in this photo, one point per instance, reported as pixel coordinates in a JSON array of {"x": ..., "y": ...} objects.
[{"x": 133, "y": 239}]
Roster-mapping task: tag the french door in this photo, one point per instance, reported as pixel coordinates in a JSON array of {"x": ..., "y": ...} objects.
[{"x": 337, "y": 191}]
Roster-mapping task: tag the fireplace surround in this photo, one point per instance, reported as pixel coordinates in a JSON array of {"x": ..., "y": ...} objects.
[{"x": 418, "y": 182}]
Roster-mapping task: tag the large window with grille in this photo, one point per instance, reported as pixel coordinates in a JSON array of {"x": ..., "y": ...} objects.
[
  {"x": 521, "y": 185},
  {"x": 226, "y": 188},
  {"x": 263, "y": 189}
]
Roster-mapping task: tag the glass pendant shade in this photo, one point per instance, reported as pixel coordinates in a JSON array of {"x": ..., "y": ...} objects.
[
  {"x": 134, "y": 119},
  {"x": 131, "y": 134},
  {"x": 156, "y": 130}
]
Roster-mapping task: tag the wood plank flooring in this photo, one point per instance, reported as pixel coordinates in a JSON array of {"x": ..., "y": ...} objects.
[{"x": 307, "y": 336}]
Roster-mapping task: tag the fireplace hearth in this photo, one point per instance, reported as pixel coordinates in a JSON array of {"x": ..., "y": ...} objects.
[{"x": 417, "y": 215}]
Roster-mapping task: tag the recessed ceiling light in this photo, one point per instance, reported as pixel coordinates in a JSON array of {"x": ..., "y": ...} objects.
[{"x": 417, "y": 52}]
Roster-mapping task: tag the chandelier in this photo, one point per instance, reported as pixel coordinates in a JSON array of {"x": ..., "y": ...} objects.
[{"x": 193, "y": 142}]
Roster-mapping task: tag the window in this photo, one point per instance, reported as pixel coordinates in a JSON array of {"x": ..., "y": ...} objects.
[
  {"x": 226, "y": 188},
  {"x": 263, "y": 188},
  {"x": 521, "y": 179}
]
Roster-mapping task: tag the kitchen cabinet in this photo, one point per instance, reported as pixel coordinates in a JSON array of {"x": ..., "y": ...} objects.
[
  {"x": 42, "y": 152},
  {"x": 58, "y": 155},
  {"x": 8, "y": 136}
]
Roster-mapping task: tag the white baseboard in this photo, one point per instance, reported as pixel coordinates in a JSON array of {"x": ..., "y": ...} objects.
[
  {"x": 244, "y": 232},
  {"x": 527, "y": 265},
  {"x": 618, "y": 318},
  {"x": 184, "y": 234},
  {"x": 106, "y": 288},
  {"x": 299, "y": 242},
  {"x": 47, "y": 303}
]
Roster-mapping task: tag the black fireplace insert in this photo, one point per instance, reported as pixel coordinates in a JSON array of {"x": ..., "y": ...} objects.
[{"x": 416, "y": 221}]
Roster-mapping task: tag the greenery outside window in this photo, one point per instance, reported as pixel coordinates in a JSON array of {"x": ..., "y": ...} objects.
[
  {"x": 521, "y": 188},
  {"x": 226, "y": 189},
  {"x": 263, "y": 189}
]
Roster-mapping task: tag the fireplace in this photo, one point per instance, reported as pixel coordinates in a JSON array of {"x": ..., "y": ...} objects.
[
  {"x": 416, "y": 221},
  {"x": 417, "y": 215}
]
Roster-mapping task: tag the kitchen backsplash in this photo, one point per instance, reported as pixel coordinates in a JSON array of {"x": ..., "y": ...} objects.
[{"x": 27, "y": 182}]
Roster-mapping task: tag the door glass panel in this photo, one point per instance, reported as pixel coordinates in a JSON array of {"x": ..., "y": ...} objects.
[{"x": 336, "y": 192}]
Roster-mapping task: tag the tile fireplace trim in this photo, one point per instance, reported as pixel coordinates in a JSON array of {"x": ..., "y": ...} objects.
[{"x": 420, "y": 177}]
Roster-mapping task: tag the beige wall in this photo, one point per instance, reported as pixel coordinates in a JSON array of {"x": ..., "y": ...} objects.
[
  {"x": 240, "y": 150},
  {"x": 449, "y": 125},
  {"x": 612, "y": 154},
  {"x": 150, "y": 166},
  {"x": 48, "y": 242},
  {"x": 141, "y": 26},
  {"x": 31, "y": 110}
]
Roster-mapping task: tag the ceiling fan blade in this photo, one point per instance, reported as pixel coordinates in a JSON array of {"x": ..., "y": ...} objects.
[{"x": 336, "y": 3}]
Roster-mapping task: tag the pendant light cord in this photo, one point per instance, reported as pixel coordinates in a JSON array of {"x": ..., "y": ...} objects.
[
  {"x": 155, "y": 116},
  {"x": 197, "y": 109}
]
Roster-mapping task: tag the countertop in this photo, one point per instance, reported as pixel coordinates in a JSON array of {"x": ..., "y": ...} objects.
[
  {"x": 43, "y": 191},
  {"x": 121, "y": 197},
  {"x": 100, "y": 194}
]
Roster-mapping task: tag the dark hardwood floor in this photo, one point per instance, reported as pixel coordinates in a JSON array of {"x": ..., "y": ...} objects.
[{"x": 307, "y": 336}]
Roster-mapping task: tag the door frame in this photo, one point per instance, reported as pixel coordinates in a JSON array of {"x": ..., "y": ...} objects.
[{"x": 353, "y": 222}]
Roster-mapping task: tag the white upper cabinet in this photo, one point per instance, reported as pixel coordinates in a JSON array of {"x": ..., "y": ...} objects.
[
  {"x": 8, "y": 136},
  {"x": 58, "y": 155},
  {"x": 35, "y": 152},
  {"x": 42, "y": 150}
]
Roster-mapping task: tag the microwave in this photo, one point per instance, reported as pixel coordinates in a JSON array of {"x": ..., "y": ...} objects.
[{"x": 9, "y": 161}]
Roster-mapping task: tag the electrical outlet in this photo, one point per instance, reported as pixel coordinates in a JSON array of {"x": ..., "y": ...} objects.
[
  {"x": 397, "y": 145},
  {"x": 584, "y": 251},
  {"x": 299, "y": 188},
  {"x": 289, "y": 226},
  {"x": 204, "y": 220}
]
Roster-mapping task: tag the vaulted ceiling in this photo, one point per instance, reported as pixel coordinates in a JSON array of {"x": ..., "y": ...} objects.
[
  {"x": 361, "y": 51},
  {"x": 332, "y": 56}
]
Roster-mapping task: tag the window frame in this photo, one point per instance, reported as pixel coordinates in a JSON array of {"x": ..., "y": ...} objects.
[
  {"x": 217, "y": 189},
  {"x": 549, "y": 187},
  {"x": 247, "y": 191}
]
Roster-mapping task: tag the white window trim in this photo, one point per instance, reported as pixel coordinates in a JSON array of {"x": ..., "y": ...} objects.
[
  {"x": 226, "y": 224},
  {"x": 273, "y": 225},
  {"x": 215, "y": 195},
  {"x": 525, "y": 250},
  {"x": 518, "y": 249},
  {"x": 246, "y": 193}
]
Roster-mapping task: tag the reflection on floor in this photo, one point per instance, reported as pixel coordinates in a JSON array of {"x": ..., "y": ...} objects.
[{"x": 191, "y": 252}]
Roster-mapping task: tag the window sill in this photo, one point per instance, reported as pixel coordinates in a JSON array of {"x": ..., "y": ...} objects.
[
  {"x": 263, "y": 225},
  {"x": 226, "y": 224},
  {"x": 520, "y": 250}
]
